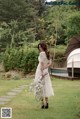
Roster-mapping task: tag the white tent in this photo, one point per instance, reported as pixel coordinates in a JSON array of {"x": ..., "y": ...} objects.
[
  {"x": 50, "y": 0},
  {"x": 73, "y": 62},
  {"x": 74, "y": 58}
]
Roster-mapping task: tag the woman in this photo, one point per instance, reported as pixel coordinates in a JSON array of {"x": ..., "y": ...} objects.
[{"x": 42, "y": 70}]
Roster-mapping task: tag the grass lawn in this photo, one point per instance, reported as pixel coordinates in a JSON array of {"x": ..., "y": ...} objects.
[
  {"x": 64, "y": 105},
  {"x": 7, "y": 85}
]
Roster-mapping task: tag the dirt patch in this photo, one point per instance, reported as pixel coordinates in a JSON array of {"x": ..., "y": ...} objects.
[{"x": 13, "y": 74}]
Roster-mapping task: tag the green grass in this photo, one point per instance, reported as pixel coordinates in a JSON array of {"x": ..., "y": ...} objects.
[
  {"x": 64, "y": 105},
  {"x": 7, "y": 85}
]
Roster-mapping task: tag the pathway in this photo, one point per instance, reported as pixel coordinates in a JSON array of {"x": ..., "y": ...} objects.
[{"x": 6, "y": 98}]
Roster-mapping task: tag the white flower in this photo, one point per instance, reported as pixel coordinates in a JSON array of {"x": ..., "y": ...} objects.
[{"x": 37, "y": 87}]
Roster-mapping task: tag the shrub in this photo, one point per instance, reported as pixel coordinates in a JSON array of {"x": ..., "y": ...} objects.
[
  {"x": 20, "y": 59},
  {"x": 29, "y": 60},
  {"x": 12, "y": 58}
]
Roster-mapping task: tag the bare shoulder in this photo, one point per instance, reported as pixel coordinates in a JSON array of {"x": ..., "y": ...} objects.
[{"x": 42, "y": 52}]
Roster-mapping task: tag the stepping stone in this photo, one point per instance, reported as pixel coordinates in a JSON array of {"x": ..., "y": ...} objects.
[
  {"x": 17, "y": 89},
  {"x": 12, "y": 93},
  {"x": 2, "y": 103},
  {"x": 4, "y": 99},
  {"x": 20, "y": 88},
  {"x": 7, "y": 96},
  {"x": 23, "y": 86},
  {"x": 26, "y": 85},
  {"x": 14, "y": 90}
]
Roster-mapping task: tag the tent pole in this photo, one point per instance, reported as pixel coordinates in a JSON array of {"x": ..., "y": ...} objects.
[{"x": 72, "y": 69}]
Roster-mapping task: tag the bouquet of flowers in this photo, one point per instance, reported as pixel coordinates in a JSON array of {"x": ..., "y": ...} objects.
[{"x": 37, "y": 87}]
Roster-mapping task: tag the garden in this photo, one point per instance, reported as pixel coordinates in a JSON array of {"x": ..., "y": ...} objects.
[{"x": 23, "y": 25}]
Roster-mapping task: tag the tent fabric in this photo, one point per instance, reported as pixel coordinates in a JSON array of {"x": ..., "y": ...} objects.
[{"x": 74, "y": 43}]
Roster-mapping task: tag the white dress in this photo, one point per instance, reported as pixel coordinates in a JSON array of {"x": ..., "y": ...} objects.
[{"x": 47, "y": 88}]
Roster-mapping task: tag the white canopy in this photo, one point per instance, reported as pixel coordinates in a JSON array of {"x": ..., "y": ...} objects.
[
  {"x": 50, "y": 0},
  {"x": 74, "y": 59}
]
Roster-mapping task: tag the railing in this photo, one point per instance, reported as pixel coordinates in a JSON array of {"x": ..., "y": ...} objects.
[{"x": 62, "y": 70}]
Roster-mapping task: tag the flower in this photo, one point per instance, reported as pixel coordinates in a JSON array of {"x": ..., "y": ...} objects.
[{"x": 37, "y": 88}]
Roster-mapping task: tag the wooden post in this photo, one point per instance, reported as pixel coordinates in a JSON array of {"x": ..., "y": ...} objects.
[{"x": 72, "y": 69}]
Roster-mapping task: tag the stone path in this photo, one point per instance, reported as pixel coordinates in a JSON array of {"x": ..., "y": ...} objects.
[{"x": 5, "y": 99}]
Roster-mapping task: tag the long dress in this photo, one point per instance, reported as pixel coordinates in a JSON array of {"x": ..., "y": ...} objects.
[{"x": 47, "y": 88}]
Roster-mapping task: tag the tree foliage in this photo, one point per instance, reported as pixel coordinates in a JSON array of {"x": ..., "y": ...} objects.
[
  {"x": 26, "y": 21},
  {"x": 61, "y": 22}
]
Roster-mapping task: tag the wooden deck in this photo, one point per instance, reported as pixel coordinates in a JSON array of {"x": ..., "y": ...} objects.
[{"x": 61, "y": 73}]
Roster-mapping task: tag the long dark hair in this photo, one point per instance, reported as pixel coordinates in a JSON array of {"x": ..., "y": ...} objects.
[{"x": 45, "y": 49}]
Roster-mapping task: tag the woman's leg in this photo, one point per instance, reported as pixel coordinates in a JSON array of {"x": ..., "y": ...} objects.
[
  {"x": 46, "y": 100},
  {"x": 42, "y": 103}
]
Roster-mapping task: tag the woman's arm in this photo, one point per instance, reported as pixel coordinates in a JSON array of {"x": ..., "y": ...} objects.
[
  {"x": 42, "y": 68},
  {"x": 47, "y": 66}
]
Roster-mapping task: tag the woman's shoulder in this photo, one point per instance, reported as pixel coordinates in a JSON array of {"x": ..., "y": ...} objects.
[{"x": 42, "y": 53}]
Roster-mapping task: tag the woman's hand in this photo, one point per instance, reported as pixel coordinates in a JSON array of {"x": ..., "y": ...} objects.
[
  {"x": 48, "y": 64},
  {"x": 42, "y": 71},
  {"x": 42, "y": 75},
  {"x": 42, "y": 68}
]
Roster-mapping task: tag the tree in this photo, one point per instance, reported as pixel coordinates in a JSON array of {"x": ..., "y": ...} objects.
[
  {"x": 78, "y": 4},
  {"x": 10, "y": 9},
  {"x": 21, "y": 13},
  {"x": 20, "y": 9},
  {"x": 74, "y": 24},
  {"x": 41, "y": 6}
]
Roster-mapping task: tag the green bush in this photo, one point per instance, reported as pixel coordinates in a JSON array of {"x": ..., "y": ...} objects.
[
  {"x": 20, "y": 59},
  {"x": 16, "y": 78},
  {"x": 29, "y": 60},
  {"x": 1, "y": 57},
  {"x": 12, "y": 58}
]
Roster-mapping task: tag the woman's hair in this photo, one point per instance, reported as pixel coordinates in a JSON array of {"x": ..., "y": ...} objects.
[{"x": 44, "y": 47}]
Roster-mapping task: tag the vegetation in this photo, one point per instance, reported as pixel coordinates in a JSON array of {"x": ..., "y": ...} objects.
[
  {"x": 64, "y": 105},
  {"x": 23, "y": 24},
  {"x": 26, "y": 58},
  {"x": 27, "y": 22},
  {"x": 20, "y": 59},
  {"x": 59, "y": 23},
  {"x": 6, "y": 86}
]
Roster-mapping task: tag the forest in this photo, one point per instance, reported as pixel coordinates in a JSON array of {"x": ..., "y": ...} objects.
[{"x": 24, "y": 23}]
